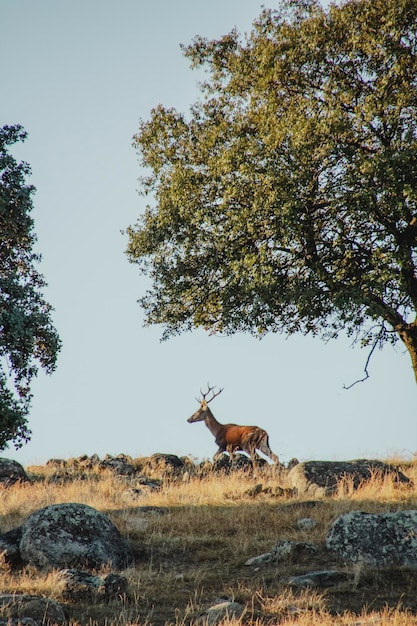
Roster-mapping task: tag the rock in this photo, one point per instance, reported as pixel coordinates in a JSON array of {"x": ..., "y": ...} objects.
[
  {"x": 222, "y": 612},
  {"x": 10, "y": 547},
  {"x": 284, "y": 550},
  {"x": 19, "y": 621},
  {"x": 82, "y": 586},
  {"x": 274, "y": 492},
  {"x": 280, "y": 492},
  {"x": 57, "y": 463},
  {"x": 166, "y": 464},
  {"x": 222, "y": 463},
  {"x": 326, "y": 578},
  {"x": 321, "y": 478},
  {"x": 236, "y": 463},
  {"x": 261, "y": 559},
  {"x": 302, "y": 504},
  {"x": 385, "y": 539},
  {"x": 289, "y": 550},
  {"x": 254, "y": 491},
  {"x": 73, "y": 535},
  {"x": 11, "y": 472},
  {"x": 145, "y": 487},
  {"x": 33, "y": 608},
  {"x": 118, "y": 465},
  {"x": 80, "y": 462},
  {"x": 292, "y": 463},
  {"x": 306, "y": 523},
  {"x": 167, "y": 459},
  {"x": 150, "y": 484},
  {"x": 160, "y": 466},
  {"x": 114, "y": 586}
]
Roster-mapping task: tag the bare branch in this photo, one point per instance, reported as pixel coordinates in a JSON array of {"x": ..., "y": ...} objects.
[{"x": 361, "y": 380}]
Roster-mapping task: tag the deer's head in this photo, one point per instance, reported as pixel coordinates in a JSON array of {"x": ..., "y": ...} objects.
[{"x": 203, "y": 411}]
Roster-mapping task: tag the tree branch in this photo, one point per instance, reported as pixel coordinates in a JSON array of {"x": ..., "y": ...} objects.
[{"x": 365, "y": 369}]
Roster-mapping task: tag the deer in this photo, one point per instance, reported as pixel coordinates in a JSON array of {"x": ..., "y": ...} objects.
[{"x": 231, "y": 437}]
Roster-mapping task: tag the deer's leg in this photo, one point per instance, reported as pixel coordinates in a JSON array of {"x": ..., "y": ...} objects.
[
  {"x": 218, "y": 453},
  {"x": 231, "y": 450},
  {"x": 265, "y": 449},
  {"x": 251, "y": 450}
]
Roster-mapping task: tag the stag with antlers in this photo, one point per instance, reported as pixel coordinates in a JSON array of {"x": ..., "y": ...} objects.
[{"x": 231, "y": 437}]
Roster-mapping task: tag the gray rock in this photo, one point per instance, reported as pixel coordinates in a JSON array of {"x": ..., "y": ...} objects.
[
  {"x": 302, "y": 504},
  {"x": 223, "y": 464},
  {"x": 284, "y": 550},
  {"x": 292, "y": 463},
  {"x": 114, "y": 586},
  {"x": 146, "y": 487},
  {"x": 321, "y": 478},
  {"x": 28, "y": 609},
  {"x": 19, "y": 621},
  {"x": 254, "y": 491},
  {"x": 385, "y": 539},
  {"x": 56, "y": 463},
  {"x": 11, "y": 472},
  {"x": 221, "y": 612},
  {"x": 261, "y": 559},
  {"x": 73, "y": 535},
  {"x": 306, "y": 523},
  {"x": 325, "y": 578},
  {"x": 151, "y": 484},
  {"x": 83, "y": 586},
  {"x": 166, "y": 464},
  {"x": 121, "y": 465},
  {"x": 10, "y": 547}
]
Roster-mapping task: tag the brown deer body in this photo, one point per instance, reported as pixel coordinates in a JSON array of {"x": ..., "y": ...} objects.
[{"x": 231, "y": 437}]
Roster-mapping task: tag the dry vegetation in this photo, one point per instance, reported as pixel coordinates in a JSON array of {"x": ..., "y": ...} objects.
[{"x": 195, "y": 554}]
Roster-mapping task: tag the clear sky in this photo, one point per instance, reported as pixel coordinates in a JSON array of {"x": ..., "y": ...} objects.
[{"x": 78, "y": 75}]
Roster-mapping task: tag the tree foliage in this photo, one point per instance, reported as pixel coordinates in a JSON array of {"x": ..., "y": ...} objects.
[
  {"x": 286, "y": 200},
  {"x": 27, "y": 336}
]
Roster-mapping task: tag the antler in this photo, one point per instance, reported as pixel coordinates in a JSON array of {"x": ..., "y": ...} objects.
[{"x": 208, "y": 391}]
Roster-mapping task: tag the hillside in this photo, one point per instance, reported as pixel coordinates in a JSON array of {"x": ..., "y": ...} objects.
[{"x": 192, "y": 536}]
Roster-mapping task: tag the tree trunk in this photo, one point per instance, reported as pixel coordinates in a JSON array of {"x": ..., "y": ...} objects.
[{"x": 409, "y": 338}]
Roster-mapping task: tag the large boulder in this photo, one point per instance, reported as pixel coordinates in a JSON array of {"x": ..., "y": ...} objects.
[
  {"x": 11, "y": 472},
  {"x": 385, "y": 539},
  {"x": 73, "y": 535},
  {"x": 321, "y": 478}
]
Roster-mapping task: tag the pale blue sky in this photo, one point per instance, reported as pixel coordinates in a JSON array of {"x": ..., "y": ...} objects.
[{"x": 78, "y": 75}]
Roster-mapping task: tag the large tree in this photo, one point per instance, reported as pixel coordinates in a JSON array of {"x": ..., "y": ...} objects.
[
  {"x": 287, "y": 199},
  {"x": 27, "y": 336}
]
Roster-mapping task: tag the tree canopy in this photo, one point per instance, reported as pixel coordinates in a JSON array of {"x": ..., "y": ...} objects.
[
  {"x": 27, "y": 336},
  {"x": 286, "y": 200}
]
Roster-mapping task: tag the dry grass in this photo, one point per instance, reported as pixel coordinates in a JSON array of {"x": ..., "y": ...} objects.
[{"x": 195, "y": 553}]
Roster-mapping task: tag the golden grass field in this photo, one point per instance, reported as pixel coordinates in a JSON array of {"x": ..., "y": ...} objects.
[{"x": 196, "y": 553}]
